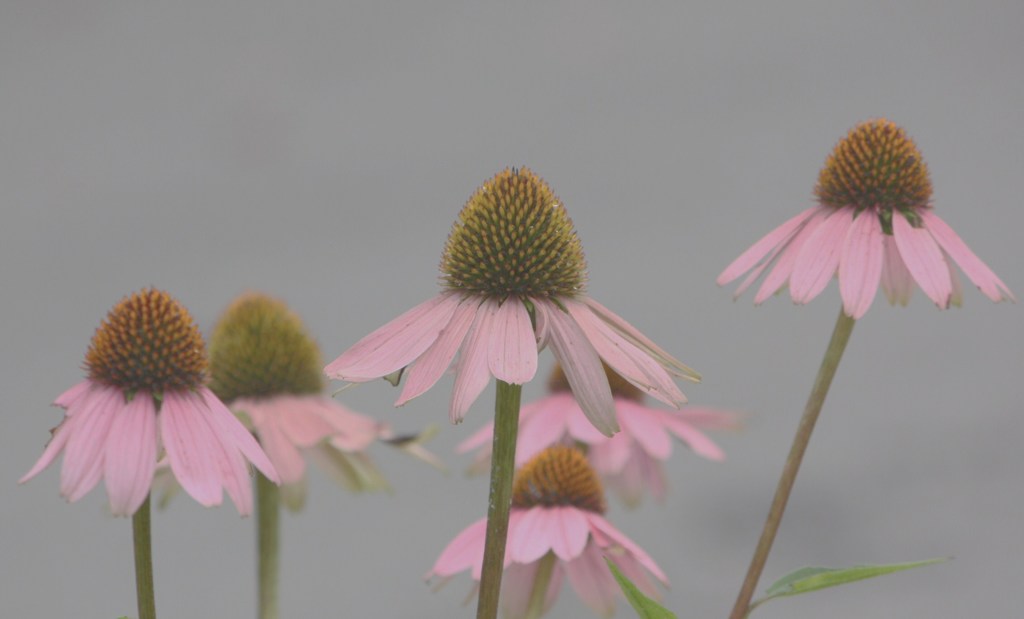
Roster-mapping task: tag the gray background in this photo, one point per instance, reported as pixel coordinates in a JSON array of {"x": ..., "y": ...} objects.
[{"x": 320, "y": 151}]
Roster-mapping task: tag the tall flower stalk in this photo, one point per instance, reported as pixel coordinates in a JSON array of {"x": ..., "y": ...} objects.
[{"x": 513, "y": 277}]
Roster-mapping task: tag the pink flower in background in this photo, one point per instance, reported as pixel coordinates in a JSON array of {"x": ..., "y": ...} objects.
[
  {"x": 145, "y": 395},
  {"x": 873, "y": 224},
  {"x": 514, "y": 274},
  {"x": 556, "y": 531},
  {"x": 630, "y": 462}
]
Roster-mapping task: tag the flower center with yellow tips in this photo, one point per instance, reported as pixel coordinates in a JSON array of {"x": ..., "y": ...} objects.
[{"x": 558, "y": 476}]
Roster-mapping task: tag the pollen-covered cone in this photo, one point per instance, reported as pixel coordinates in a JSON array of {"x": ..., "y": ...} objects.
[
  {"x": 513, "y": 278},
  {"x": 873, "y": 225},
  {"x": 264, "y": 364},
  {"x": 557, "y": 516},
  {"x": 145, "y": 391}
]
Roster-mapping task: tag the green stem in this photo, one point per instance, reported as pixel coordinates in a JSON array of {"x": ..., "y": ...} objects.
[
  {"x": 840, "y": 336},
  {"x": 143, "y": 562},
  {"x": 540, "y": 586},
  {"x": 268, "y": 511},
  {"x": 503, "y": 461}
]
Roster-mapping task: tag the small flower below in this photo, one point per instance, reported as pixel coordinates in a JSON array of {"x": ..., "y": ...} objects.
[{"x": 556, "y": 531}]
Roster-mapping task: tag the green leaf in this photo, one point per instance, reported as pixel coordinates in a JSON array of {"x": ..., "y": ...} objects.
[
  {"x": 807, "y": 579},
  {"x": 645, "y": 607}
]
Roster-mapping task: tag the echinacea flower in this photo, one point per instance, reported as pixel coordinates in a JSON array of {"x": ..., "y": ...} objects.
[
  {"x": 630, "y": 462},
  {"x": 266, "y": 367},
  {"x": 873, "y": 224},
  {"x": 144, "y": 397},
  {"x": 513, "y": 278},
  {"x": 556, "y": 531}
]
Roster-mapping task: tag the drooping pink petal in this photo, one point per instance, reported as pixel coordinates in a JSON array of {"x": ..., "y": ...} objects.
[
  {"x": 860, "y": 264},
  {"x": 296, "y": 416},
  {"x": 645, "y": 427},
  {"x": 465, "y": 552},
  {"x": 693, "y": 438},
  {"x": 635, "y": 572},
  {"x": 230, "y": 431},
  {"x": 674, "y": 366},
  {"x": 592, "y": 580},
  {"x": 628, "y": 361},
  {"x": 429, "y": 368},
  {"x": 471, "y": 372},
  {"x": 924, "y": 260},
  {"x": 612, "y": 455},
  {"x": 66, "y": 399},
  {"x": 976, "y": 270},
  {"x": 517, "y": 587},
  {"x": 896, "y": 279},
  {"x": 758, "y": 250},
  {"x": 129, "y": 457},
  {"x": 582, "y": 368},
  {"x": 634, "y": 478},
  {"x": 282, "y": 452},
  {"x": 606, "y": 535},
  {"x": 579, "y": 427},
  {"x": 396, "y": 344},
  {"x": 83, "y": 453},
  {"x": 562, "y": 530},
  {"x": 190, "y": 448},
  {"x": 234, "y": 474},
  {"x": 538, "y": 432},
  {"x": 783, "y": 268},
  {"x": 53, "y": 448},
  {"x": 819, "y": 256},
  {"x": 512, "y": 353}
]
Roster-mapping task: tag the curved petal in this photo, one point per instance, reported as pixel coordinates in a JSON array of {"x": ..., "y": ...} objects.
[
  {"x": 783, "y": 268},
  {"x": 530, "y": 539},
  {"x": 190, "y": 448},
  {"x": 53, "y": 448},
  {"x": 612, "y": 455},
  {"x": 464, "y": 552},
  {"x": 429, "y": 368},
  {"x": 518, "y": 584},
  {"x": 819, "y": 256},
  {"x": 512, "y": 353},
  {"x": 582, "y": 368},
  {"x": 282, "y": 452},
  {"x": 540, "y": 431},
  {"x": 396, "y": 344},
  {"x": 471, "y": 372},
  {"x": 976, "y": 270},
  {"x": 646, "y": 428},
  {"x": 83, "y": 453},
  {"x": 231, "y": 432},
  {"x": 896, "y": 279},
  {"x": 592, "y": 580},
  {"x": 606, "y": 535},
  {"x": 129, "y": 457},
  {"x": 693, "y": 438},
  {"x": 924, "y": 260},
  {"x": 758, "y": 250},
  {"x": 635, "y": 572},
  {"x": 860, "y": 265},
  {"x": 66, "y": 399},
  {"x": 568, "y": 532}
]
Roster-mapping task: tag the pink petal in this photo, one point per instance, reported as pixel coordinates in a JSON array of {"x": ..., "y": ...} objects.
[
  {"x": 83, "y": 453},
  {"x": 976, "y": 270},
  {"x": 396, "y": 344},
  {"x": 129, "y": 457},
  {"x": 429, "y": 368},
  {"x": 464, "y": 552},
  {"x": 635, "y": 572},
  {"x": 860, "y": 265},
  {"x": 562, "y": 530},
  {"x": 641, "y": 341},
  {"x": 896, "y": 279},
  {"x": 628, "y": 361},
  {"x": 512, "y": 355},
  {"x": 761, "y": 248},
  {"x": 231, "y": 432},
  {"x": 592, "y": 580},
  {"x": 518, "y": 584},
  {"x": 297, "y": 417},
  {"x": 53, "y": 448},
  {"x": 234, "y": 475},
  {"x": 538, "y": 432},
  {"x": 66, "y": 399},
  {"x": 613, "y": 454},
  {"x": 646, "y": 428},
  {"x": 819, "y": 256},
  {"x": 190, "y": 447},
  {"x": 783, "y": 268},
  {"x": 471, "y": 373},
  {"x": 579, "y": 427},
  {"x": 923, "y": 259},
  {"x": 287, "y": 459},
  {"x": 694, "y": 438},
  {"x": 582, "y": 368},
  {"x": 608, "y": 536}
]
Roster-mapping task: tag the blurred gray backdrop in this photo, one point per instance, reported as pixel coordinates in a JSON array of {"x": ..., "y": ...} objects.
[{"x": 319, "y": 151}]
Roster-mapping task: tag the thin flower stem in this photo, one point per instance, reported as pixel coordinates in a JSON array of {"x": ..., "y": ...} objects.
[
  {"x": 541, "y": 582},
  {"x": 143, "y": 562},
  {"x": 503, "y": 460},
  {"x": 840, "y": 336},
  {"x": 268, "y": 511}
]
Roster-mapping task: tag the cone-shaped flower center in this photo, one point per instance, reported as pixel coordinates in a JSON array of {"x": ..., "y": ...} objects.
[
  {"x": 621, "y": 388},
  {"x": 876, "y": 166},
  {"x": 558, "y": 476},
  {"x": 260, "y": 348},
  {"x": 148, "y": 341},
  {"x": 514, "y": 237}
]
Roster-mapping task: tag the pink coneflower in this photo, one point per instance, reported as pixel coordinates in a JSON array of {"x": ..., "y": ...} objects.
[
  {"x": 873, "y": 223},
  {"x": 145, "y": 397},
  {"x": 556, "y": 531},
  {"x": 513, "y": 277},
  {"x": 630, "y": 462}
]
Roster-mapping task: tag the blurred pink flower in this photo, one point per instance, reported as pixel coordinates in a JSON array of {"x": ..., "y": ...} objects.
[
  {"x": 873, "y": 224},
  {"x": 556, "y": 516}
]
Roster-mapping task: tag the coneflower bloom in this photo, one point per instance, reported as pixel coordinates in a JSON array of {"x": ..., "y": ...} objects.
[
  {"x": 144, "y": 397},
  {"x": 556, "y": 531},
  {"x": 631, "y": 462},
  {"x": 267, "y": 368},
  {"x": 513, "y": 277},
  {"x": 873, "y": 224}
]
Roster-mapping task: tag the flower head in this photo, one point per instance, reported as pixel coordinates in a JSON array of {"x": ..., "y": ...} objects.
[
  {"x": 557, "y": 516},
  {"x": 265, "y": 366},
  {"x": 873, "y": 224},
  {"x": 513, "y": 275},
  {"x": 145, "y": 390},
  {"x": 630, "y": 462}
]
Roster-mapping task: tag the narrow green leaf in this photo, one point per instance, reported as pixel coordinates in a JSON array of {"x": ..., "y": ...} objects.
[
  {"x": 645, "y": 607},
  {"x": 807, "y": 579}
]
